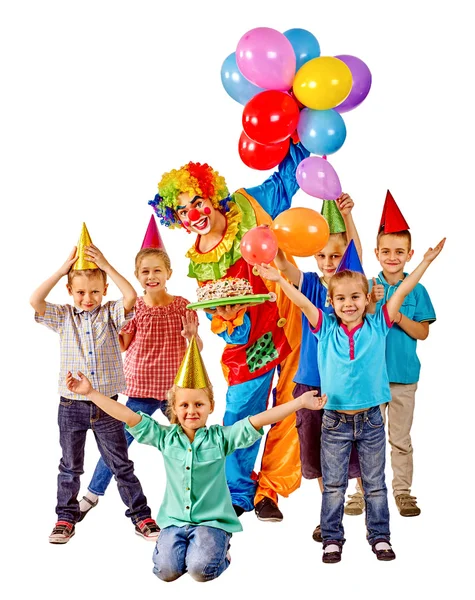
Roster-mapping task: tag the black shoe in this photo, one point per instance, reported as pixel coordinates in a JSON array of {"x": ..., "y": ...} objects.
[
  {"x": 267, "y": 510},
  {"x": 238, "y": 510},
  {"x": 317, "y": 534}
]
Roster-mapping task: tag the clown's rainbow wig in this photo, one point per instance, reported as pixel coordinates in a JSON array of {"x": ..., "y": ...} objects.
[{"x": 197, "y": 180}]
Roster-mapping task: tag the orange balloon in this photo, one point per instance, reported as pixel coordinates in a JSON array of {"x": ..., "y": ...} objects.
[{"x": 301, "y": 231}]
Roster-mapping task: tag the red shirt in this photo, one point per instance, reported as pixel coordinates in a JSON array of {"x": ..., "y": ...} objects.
[{"x": 157, "y": 349}]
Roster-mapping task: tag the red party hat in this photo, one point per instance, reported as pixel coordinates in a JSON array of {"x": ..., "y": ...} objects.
[
  {"x": 392, "y": 220},
  {"x": 152, "y": 237}
]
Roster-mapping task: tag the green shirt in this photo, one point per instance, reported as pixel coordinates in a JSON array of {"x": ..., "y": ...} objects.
[{"x": 196, "y": 492}]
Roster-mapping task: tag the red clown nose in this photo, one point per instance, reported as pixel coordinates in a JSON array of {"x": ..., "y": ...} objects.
[{"x": 194, "y": 214}]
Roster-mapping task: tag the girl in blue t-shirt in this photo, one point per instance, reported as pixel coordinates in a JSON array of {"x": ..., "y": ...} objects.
[{"x": 351, "y": 361}]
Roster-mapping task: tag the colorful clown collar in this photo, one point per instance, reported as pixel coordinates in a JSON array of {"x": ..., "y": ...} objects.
[{"x": 214, "y": 264}]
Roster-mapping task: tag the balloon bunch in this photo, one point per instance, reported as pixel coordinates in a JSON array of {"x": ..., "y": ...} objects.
[{"x": 289, "y": 90}]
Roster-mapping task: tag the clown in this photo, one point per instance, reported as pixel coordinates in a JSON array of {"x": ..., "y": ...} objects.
[{"x": 258, "y": 338}]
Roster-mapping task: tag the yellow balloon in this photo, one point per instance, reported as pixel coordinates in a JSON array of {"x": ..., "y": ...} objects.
[{"x": 322, "y": 83}]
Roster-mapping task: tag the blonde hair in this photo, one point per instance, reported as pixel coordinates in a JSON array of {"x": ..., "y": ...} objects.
[
  {"x": 89, "y": 273},
  {"x": 405, "y": 235},
  {"x": 347, "y": 275},
  {"x": 171, "y": 397},
  {"x": 152, "y": 252}
]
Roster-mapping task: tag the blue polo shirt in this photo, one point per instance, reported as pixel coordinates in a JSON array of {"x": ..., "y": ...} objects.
[
  {"x": 351, "y": 363},
  {"x": 316, "y": 290},
  {"x": 402, "y": 362}
]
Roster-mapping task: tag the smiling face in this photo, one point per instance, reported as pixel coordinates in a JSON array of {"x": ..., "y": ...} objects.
[
  {"x": 393, "y": 252},
  {"x": 153, "y": 273},
  {"x": 349, "y": 297},
  {"x": 196, "y": 214},
  {"x": 192, "y": 408},
  {"x": 87, "y": 290},
  {"x": 330, "y": 256}
]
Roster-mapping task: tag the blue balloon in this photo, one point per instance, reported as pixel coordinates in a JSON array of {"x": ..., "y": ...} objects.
[
  {"x": 305, "y": 45},
  {"x": 321, "y": 131},
  {"x": 234, "y": 82}
]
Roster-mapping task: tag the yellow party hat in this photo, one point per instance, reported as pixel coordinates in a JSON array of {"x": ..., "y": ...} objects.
[
  {"x": 192, "y": 372},
  {"x": 82, "y": 262}
]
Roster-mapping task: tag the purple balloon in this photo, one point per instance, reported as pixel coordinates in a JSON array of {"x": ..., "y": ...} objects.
[
  {"x": 318, "y": 178},
  {"x": 361, "y": 83},
  {"x": 266, "y": 58}
]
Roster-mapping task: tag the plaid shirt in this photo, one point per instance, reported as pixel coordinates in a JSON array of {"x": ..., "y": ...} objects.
[
  {"x": 89, "y": 343},
  {"x": 157, "y": 349}
]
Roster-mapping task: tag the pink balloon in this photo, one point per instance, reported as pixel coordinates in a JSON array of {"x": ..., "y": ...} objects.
[
  {"x": 266, "y": 58},
  {"x": 318, "y": 178},
  {"x": 259, "y": 245}
]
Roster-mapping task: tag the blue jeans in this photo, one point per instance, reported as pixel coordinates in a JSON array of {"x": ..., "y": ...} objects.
[
  {"x": 339, "y": 431},
  {"x": 102, "y": 474},
  {"x": 199, "y": 550},
  {"x": 75, "y": 418}
]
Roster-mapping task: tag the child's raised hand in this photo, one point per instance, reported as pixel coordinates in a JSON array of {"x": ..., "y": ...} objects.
[
  {"x": 377, "y": 291},
  {"x": 268, "y": 272},
  {"x": 345, "y": 204},
  {"x": 312, "y": 400},
  {"x": 434, "y": 252},
  {"x": 66, "y": 267},
  {"x": 190, "y": 325},
  {"x": 96, "y": 256},
  {"x": 82, "y": 386}
]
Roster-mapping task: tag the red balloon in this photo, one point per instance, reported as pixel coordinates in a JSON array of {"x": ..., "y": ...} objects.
[
  {"x": 270, "y": 117},
  {"x": 261, "y": 156},
  {"x": 259, "y": 245}
]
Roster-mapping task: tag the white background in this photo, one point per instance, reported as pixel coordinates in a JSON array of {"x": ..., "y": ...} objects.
[{"x": 98, "y": 100}]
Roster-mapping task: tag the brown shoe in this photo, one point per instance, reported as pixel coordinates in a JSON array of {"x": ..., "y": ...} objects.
[
  {"x": 62, "y": 533},
  {"x": 332, "y": 557},
  {"x": 407, "y": 505},
  {"x": 387, "y": 554},
  {"x": 267, "y": 510},
  {"x": 317, "y": 534},
  {"x": 355, "y": 504}
]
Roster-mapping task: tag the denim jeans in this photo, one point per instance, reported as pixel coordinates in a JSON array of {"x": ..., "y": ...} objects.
[
  {"x": 309, "y": 428},
  {"x": 102, "y": 474},
  {"x": 75, "y": 418},
  {"x": 199, "y": 550},
  {"x": 339, "y": 431}
]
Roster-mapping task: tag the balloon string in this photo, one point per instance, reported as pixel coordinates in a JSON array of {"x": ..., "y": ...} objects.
[{"x": 324, "y": 156}]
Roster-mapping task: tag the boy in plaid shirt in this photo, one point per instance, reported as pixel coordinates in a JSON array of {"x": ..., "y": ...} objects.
[{"x": 90, "y": 342}]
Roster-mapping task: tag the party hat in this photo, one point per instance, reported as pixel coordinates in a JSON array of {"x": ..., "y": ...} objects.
[
  {"x": 333, "y": 216},
  {"x": 392, "y": 220},
  {"x": 82, "y": 262},
  {"x": 152, "y": 237},
  {"x": 350, "y": 260},
  {"x": 192, "y": 372}
]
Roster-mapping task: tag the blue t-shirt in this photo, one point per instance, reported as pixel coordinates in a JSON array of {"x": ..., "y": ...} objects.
[
  {"x": 316, "y": 290},
  {"x": 402, "y": 362},
  {"x": 351, "y": 363}
]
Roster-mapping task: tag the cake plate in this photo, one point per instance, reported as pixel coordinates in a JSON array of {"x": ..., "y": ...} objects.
[{"x": 249, "y": 299}]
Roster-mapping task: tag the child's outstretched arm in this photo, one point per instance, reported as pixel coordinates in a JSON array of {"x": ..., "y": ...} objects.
[
  {"x": 38, "y": 298},
  {"x": 345, "y": 205},
  {"x": 190, "y": 328},
  {"x": 310, "y": 400},
  {"x": 126, "y": 289},
  {"x": 83, "y": 387},
  {"x": 309, "y": 310},
  {"x": 409, "y": 283},
  {"x": 287, "y": 268}
]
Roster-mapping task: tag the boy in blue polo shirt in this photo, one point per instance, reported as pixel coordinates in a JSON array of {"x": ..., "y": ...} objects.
[
  {"x": 353, "y": 373},
  {"x": 411, "y": 324}
]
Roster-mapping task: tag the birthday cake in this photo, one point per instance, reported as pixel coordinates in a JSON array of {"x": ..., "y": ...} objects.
[{"x": 224, "y": 288}]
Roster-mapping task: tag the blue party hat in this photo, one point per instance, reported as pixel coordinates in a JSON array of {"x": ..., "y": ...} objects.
[{"x": 350, "y": 260}]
